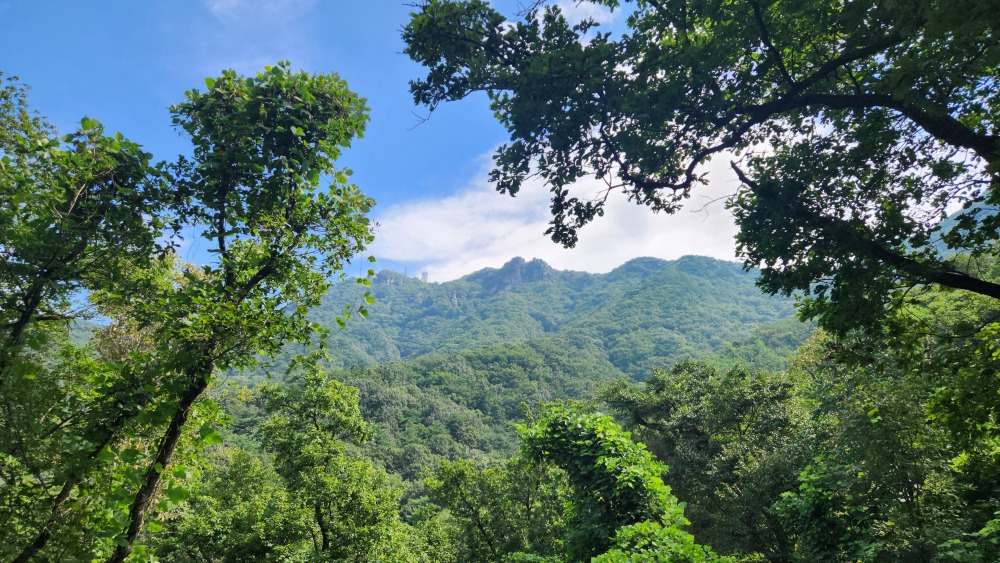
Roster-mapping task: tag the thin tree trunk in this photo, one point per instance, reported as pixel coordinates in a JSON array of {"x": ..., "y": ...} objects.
[
  {"x": 144, "y": 498},
  {"x": 323, "y": 528},
  {"x": 17, "y": 328},
  {"x": 46, "y": 531}
]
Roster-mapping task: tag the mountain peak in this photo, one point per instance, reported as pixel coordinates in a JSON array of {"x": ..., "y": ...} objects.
[
  {"x": 642, "y": 265},
  {"x": 515, "y": 272}
]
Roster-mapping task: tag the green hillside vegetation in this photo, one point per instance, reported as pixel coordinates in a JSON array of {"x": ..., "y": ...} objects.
[
  {"x": 463, "y": 404},
  {"x": 645, "y": 313},
  {"x": 445, "y": 369},
  {"x": 664, "y": 412}
]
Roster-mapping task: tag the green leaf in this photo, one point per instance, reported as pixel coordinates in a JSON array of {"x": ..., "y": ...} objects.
[
  {"x": 106, "y": 455},
  {"x": 177, "y": 493},
  {"x": 209, "y": 435}
]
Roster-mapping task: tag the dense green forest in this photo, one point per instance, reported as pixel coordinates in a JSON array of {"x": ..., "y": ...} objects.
[
  {"x": 645, "y": 313},
  {"x": 444, "y": 369},
  {"x": 835, "y": 397}
]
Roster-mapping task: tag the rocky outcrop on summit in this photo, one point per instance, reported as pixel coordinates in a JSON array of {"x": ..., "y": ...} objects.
[{"x": 512, "y": 274}]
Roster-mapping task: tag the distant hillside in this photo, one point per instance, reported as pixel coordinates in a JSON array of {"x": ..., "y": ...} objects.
[
  {"x": 975, "y": 212},
  {"x": 645, "y": 313},
  {"x": 463, "y": 405},
  {"x": 444, "y": 369}
]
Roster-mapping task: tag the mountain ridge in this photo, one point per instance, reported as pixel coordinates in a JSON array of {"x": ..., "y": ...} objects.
[{"x": 646, "y": 312}]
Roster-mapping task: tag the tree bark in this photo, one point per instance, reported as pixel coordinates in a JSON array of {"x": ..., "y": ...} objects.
[
  {"x": 46, "y": 531},
  {"x": 917, "y": 271},
  {"x": 323, "y": 528},
  {"x": 74, "y": 478},
  {"x": 165, "y": 452}
]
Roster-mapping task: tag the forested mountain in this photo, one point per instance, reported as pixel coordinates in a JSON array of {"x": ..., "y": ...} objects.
[
  {"x": 643, "y": 314},
  {"x": 461, "y": 421},
  {"x": 444, "y": 369}
]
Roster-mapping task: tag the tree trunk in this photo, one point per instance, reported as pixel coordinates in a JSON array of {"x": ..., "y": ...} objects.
[
  {"x": 323, "y": 528},
  {"x": 144, "y": 498},
  {"x": 46, "y": 531},
  {"x": 74, "y": 478}
]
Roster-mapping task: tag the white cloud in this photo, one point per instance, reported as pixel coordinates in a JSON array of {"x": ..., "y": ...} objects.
[
  {"x": 222, "y": 8},
  {"x": 246, "y": 35},
  {"x": 579, "y": 10},
  {"x": 478, "y": 228},
  {"x": 264, "y": 11}
]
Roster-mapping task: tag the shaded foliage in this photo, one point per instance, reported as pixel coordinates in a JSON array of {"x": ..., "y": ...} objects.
[{"x": 877, "y": 118}]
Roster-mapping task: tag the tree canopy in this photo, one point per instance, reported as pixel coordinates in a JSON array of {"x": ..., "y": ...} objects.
[
  {"x": 856, "y": 126},
  {"x": 88, "y": 211},
  {"x": 617, "y": 485}
]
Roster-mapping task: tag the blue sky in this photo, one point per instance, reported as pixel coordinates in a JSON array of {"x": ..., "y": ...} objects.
[{"x": 124, "y": 62}]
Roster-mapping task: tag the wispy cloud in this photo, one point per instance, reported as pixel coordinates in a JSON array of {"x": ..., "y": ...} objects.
[
  {"x": 222, "y": 8},
  {"x": 477, "y": 228},
  {"x": 263, "y": 11},
  {"x": 246, "y": 35},
  {"x": 578, "y": 10}
]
